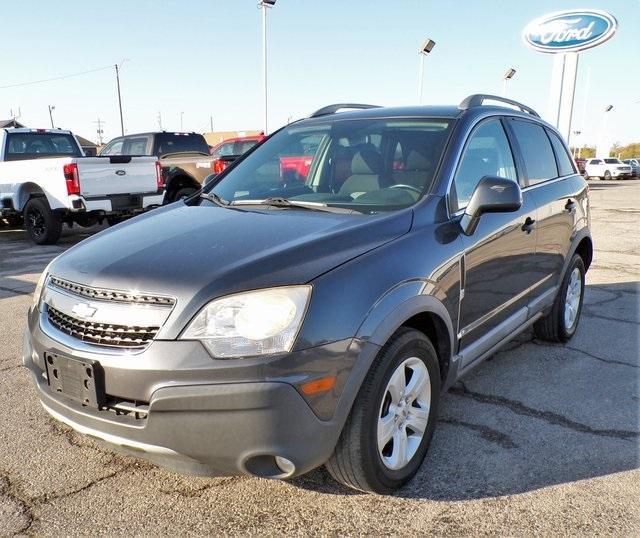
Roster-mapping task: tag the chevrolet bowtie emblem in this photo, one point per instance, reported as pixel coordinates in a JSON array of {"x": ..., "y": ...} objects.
[{"x": 83, "y": 310}]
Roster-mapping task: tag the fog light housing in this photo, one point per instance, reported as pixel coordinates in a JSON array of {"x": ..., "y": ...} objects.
[{"x": 286, "y": 466}]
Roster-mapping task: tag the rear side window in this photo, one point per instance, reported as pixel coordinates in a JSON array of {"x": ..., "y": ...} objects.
[
  {"x": 539, "y": 160},
  {"x": 565, "y": 163},
  {"x": 179, "y": 142},
  {"x": 487, "y": 153},
  {"x": 244, "y": 146},
  {"x": 22, "y": 146}
]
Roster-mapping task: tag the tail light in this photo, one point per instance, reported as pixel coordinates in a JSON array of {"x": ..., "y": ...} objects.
[
  {"x": 218, "y": 166},
  {"x": 72, "y": 177},
  {"x": 159, "y": 176}
]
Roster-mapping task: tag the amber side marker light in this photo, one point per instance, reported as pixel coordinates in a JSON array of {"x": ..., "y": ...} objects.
[{"x": 319, "y": 385}]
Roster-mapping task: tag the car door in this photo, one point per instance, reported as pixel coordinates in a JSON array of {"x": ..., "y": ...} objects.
[
  {"x": 560, "y": 195},
  {"x": 499, "y": 257}
]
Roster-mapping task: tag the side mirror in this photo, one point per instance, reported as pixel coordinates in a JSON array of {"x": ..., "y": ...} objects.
[
  {"x": 207, "y": 180},
  {"x": 492, "y": 195}
]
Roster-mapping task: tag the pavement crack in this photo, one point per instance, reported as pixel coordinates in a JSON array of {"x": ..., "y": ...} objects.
[
  {"x": 548, "y": 416},
  {"x": 596, "y": 357},
  {"x": 12, "y": 490},
  {"x": 589, "y": 314},
  {"x": 198, "y": 492},
  {"x": 16, "y": 292},
  {"x": 487, "y": 433}
]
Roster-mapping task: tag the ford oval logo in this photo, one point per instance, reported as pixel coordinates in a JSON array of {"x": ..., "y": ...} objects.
[
  {"x": 570, "y": 31},
  {"x": 121, "y": 172}
]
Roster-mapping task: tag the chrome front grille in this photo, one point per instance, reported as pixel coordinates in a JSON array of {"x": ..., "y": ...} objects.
[
  {"x": 110, "y": 295},
  {"x": 103, "y": 334}
]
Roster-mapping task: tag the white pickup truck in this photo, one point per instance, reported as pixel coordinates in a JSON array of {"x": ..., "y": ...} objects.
[{"x": 46, "y": 179}]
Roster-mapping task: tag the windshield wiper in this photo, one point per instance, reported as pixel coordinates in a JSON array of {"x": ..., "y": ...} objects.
[
  {"x": 213, "y": 197},
  {"x": 276, "y": 201}
]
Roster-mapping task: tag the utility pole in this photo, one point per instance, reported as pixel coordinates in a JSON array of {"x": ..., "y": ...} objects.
[
  {"x": 119, "y": 98},
  {"x": 99, "y": 130},
  {"x": 211, "y": 122},
  {"x": 159, "y": 121},
  {"x": 51, "y": 109}
]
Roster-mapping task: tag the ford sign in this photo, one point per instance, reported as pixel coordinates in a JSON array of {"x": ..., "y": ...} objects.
[{"x": 570, "y": 31}]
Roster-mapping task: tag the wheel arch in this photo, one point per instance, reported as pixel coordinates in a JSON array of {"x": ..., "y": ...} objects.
[
  {"x": 25, "y": 191},
  {"x": 407, "y": 306},
  {"x": 180, "y": 180}
]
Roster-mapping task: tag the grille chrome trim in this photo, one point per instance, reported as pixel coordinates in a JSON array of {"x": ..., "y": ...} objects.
[
  {"x": 101, "y": 334},
  {"x": 102, "y": 294}
]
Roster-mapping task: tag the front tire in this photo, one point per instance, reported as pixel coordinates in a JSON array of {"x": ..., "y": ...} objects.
[
  {"x": 183, "y": 193},
  {"x": 43, "y": 225},
  {"x": 561, "y": 323},
  {"x": 607, "y": 175},
  {"x": 388, "y": 432}
]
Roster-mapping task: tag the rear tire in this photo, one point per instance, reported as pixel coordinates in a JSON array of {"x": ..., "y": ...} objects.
[
  {"x": 561, "y": 323},
  {"x": 43, "y": 225},
  {"x": 381, "y": 446},
  {"x": 185, "y": 192}
]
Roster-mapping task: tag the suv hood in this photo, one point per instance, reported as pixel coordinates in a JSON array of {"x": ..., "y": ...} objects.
[{"x": 197, "y": 253}]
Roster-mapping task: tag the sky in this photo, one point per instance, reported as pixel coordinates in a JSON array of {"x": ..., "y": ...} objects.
[{"x": 202, "y": 59}]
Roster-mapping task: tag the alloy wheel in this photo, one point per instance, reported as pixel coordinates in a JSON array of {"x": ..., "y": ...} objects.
[
  {"x": 572, "y": 299},
  {"x": 404, "y": 413}
]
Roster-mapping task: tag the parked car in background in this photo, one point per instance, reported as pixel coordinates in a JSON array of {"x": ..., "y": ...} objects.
[
  {"x": 608, "y": 168},
  {"x": 184, "y": 158},
  {"x": 635, "y": 166},
  {"x": 46, "y": 179},
  {"x": 229, "y": 150},
  {"x": 267, "y": 327},
  {"x": 580, "y": 163}
]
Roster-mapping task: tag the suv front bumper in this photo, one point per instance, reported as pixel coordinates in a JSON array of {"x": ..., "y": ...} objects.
[{"x": 196, "y": 422}]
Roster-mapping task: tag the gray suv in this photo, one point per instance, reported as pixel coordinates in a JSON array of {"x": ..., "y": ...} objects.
[{"x": 287, "y": 316}]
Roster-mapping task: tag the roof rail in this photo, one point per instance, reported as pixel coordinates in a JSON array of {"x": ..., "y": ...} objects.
[
  {"x": 478, "y": 99},
  {"x": 332, "y": 109}
]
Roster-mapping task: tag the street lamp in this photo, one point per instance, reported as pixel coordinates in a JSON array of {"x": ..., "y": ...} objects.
[
  {"x": 427, "y": 47},
  {"x": 265, "y": 4},
  {"x": 507, "y": 76},
  {"x": 51, "y": 109}
]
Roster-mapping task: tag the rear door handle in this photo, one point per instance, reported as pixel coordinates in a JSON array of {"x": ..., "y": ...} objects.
[
  {"x": 528, "y": 225},
  {"x": 570, "y": 206}
]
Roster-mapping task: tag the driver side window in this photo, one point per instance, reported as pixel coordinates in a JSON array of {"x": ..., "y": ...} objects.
[{"x": 487, "y": 153}]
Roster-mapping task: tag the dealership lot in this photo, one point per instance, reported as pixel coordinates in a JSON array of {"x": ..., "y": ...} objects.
[{"x": 540, "y": 438}]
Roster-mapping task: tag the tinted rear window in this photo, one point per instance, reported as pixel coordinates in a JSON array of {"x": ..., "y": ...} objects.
[
  {"x": 22, "y": 146},
  {"x": 539, "y": 160},
  {"x": 178, "y": 142}
]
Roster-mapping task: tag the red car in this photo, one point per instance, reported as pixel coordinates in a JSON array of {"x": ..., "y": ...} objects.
[{"x": 229, "y": 150}]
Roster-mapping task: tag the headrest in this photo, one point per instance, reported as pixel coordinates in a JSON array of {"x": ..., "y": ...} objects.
[
  {"x": 417, "y": 160},
  {"x": 366, "y": 161}
]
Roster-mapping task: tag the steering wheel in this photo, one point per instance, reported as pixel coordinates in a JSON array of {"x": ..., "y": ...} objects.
[{"x": 403, "y": 186}]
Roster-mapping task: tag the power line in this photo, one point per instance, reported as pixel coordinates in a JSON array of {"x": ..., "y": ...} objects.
[{"x": 55, "y": 78}]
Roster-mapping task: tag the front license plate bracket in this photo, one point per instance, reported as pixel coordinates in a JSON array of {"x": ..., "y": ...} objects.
[{"x": 81, "y": 380}]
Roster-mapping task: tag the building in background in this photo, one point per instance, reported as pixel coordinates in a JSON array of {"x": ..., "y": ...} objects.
[
  {"x": 219, "y": 136},
  {"x": 10, "y": 123},
  {"x": 90, "y": 148}
]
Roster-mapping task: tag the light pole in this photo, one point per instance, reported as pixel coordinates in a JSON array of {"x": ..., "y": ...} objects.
[
  {"x": 575, "y": 152},
  {"x": 506, "y": 78},
  {"x": 119, "y": 95},
  {"x": 603, "y": 147},
  {"x": 427, "y": 47},
  {"x": 264, "y": 5},
  {"x": 181, "y": 114},
  {"x": 51, "y": 109}
]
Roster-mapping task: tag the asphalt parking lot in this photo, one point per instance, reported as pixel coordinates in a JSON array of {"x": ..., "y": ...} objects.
[{"x": 539, "y": 439}]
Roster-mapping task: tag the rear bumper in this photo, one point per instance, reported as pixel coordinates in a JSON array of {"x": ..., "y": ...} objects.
[{"x": 80, "y": 204}]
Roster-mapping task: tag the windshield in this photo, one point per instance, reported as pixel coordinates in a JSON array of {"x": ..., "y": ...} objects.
[
  {"x": 366, "y": 165},
  {"x": 22, "y": 146}
]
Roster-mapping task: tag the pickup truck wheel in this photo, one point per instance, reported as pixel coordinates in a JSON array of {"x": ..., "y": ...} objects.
[
  {"x": 43, "y": 225},
  {"x": 561, "y": 323},
  {"x": 388, "y": 432},
  {"x": 183, "y": 193},
  {"x": 607, "y": 175}
]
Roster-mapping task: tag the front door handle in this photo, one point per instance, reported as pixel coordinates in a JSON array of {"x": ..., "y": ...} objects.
[
  {"x": 528, "y": 225},
  {"x": 570, "y": 206}
]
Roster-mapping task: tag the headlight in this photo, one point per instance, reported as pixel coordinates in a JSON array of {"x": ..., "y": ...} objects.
[
  {"x": 259, "y": 322},
  {"x": 39, "y": 285}
]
